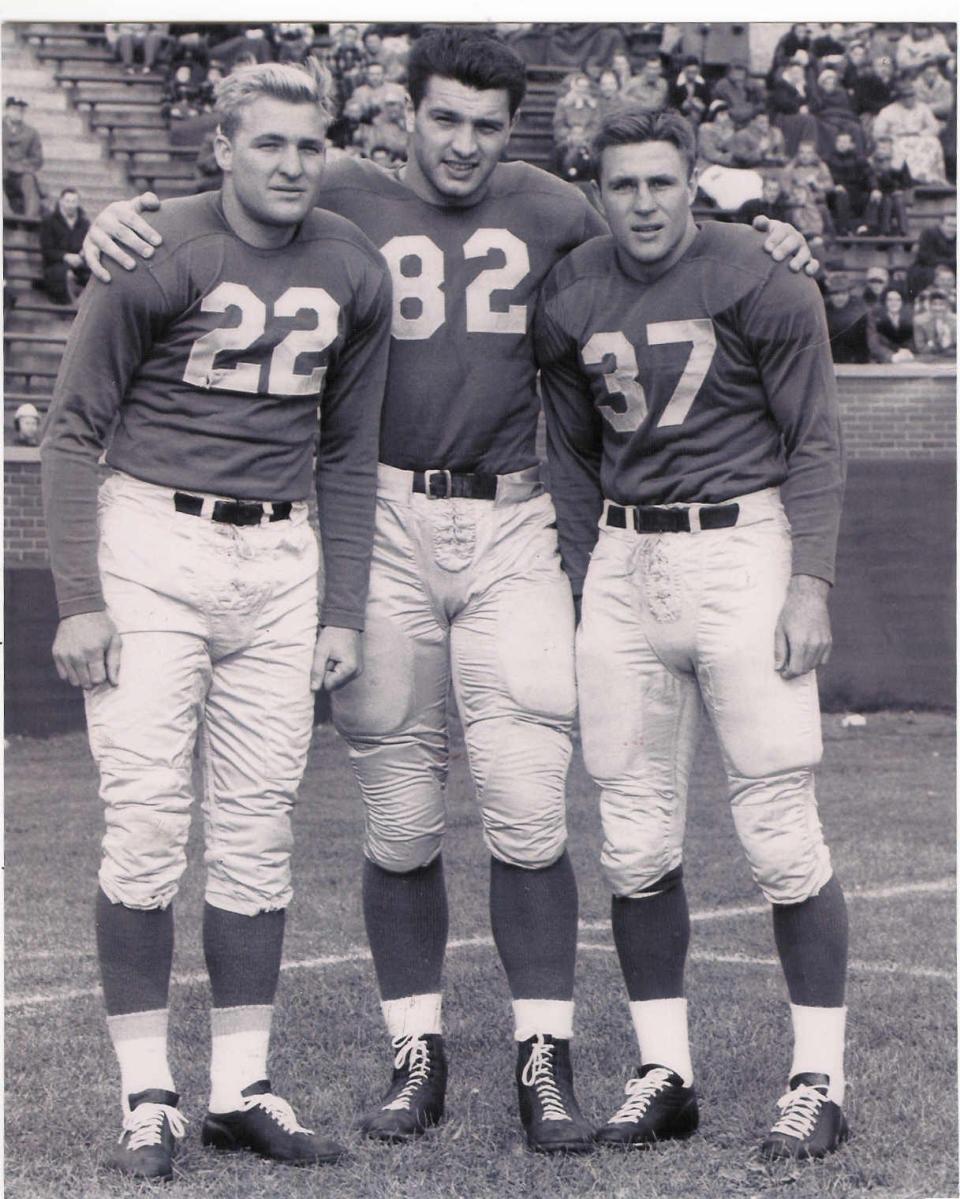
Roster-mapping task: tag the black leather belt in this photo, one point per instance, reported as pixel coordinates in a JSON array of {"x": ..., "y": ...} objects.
[
  {"x": 452, "y": 484},
  {"x": 232, "y": 512},
  {"x": 670, "y": 520}
]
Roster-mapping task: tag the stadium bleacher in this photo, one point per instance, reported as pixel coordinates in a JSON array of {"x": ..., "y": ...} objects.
[{"x": 104, "y": 132}]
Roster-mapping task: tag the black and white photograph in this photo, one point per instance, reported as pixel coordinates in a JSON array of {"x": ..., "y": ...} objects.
[{"x": 479, "y": 606}]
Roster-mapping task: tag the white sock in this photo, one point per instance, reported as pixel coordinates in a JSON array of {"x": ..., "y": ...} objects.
[
  {"x": 239, "y": 1045},
  {"x": 413, "y": 1015},
  {"x": 661, "y": 1028},
  {"x": 818, "y": 1036},
  {"x": 140, "y": 1042},
  {"x": 554, "y": 1017}
]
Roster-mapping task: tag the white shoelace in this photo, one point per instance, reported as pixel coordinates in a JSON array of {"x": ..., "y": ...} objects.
[
  {"x": 414, "y": 1053},
  {"x": 800, "y": 1108},
  {"x": 538, "y": 1073},
  {"x": 277, "y": 1109},
  {"x": 145, "y": 1124},
  {"x": 639, "y": 1093}
]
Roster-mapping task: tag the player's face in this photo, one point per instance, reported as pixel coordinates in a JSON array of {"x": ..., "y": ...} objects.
[
  {"x": 272, "y": 166},
  {"x": 647, "y": 192},
  {"x": 459, "y": 134}
]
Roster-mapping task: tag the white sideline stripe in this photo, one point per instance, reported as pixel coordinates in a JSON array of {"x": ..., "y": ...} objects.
[
  {"x": 363, "y": 955},
  {"x": 936, "y": 887}
]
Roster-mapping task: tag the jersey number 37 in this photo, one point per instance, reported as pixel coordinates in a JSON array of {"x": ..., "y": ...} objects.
[{"x": 617, "y": 360}]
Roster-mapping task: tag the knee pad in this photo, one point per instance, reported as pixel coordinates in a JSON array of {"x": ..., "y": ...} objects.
[{"x": 779, "y": 828}]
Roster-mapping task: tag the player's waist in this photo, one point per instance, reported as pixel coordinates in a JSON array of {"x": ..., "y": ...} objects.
[
  {"x": 400, "y": 486},
  {"x": 739, "y": 510},
  {"x": 180, "y": 503}
]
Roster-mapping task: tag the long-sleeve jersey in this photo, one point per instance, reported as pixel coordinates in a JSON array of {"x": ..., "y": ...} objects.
[
  {"x": 711, "y": 381},
  {"x": 203, "y": 370},
  {"x": 461, "y": 385}
]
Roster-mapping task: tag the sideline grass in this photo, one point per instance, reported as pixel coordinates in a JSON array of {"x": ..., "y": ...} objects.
[{"x": 887, "y": 798}]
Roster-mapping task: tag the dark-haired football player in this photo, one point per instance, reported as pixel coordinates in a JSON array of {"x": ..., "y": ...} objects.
[{"x": 692, "y": 415}]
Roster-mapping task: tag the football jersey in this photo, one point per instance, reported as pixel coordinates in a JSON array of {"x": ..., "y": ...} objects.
[
  {"x": 461, "y": 386},
  {"x": 202, "y": 371},
  {"x": 711, "y": 381}
]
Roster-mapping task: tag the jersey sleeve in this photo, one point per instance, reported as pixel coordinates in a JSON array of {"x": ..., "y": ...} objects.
[
  {"x": 574, "y": 440},
  {"x": 786, "y": 325},
  {"x": 111, "y": 334},
  {"x": 347, "y": 455}
]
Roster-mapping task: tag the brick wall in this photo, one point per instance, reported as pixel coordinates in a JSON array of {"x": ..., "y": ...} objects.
[{"x": 899, "y": 412}]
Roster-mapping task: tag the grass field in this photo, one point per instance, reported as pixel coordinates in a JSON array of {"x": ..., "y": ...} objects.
[{"x": 888, "y": 805}]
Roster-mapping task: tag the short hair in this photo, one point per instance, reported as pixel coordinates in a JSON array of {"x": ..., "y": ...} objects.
[
  {"x": 630, "y": 124},
  {"x": 68, "y": 190},
  {"x": 308, "y": 84},
  {"x": 472, "y": 57}
]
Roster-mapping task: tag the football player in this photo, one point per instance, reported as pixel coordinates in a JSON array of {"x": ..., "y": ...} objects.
[
  {"x": 466, "y": 584},
  {"x": 692, "y": 419},
  {"x": 188, "y": 587}
]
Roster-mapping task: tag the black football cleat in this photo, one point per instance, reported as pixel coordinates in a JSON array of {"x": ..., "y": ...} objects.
[
  {"x": 267, "y": 1125},
  {"x": 809, "y": 1124},
  {"x": 148, "y": 1142},
  {"x": 414, "y": 1101},
  {"x": 658, "y": 1108},
  {"x": 549, "y": 1111}
]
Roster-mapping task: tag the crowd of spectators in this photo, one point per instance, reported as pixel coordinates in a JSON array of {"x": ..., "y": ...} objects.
[{"x": 847, "y": 121}]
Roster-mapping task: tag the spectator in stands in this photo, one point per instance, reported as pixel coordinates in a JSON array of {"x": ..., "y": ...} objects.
[
  {"x": 22, "y": 160},
  {"x": 292, "y": 40},
  {"x": 690, "y": 94},
  {"x": 252, "y": 45},
  {"x": 850, "y": 171},
  {"x": 935, "y": 331},
  {"x": 877, "y": 282},
  {"x": 371, "y": 96},
  {"x": 772, "y": 203},
  {"x": 180, "y": 95},
  {"x": 65, "y": 274},
  {"x": 648, "y": 90},
  {"x": 832, "y": 107},
  {"x": 855, "y": 63},
  {"x": 744, "y": 97},
  {"x": 847, "y": 322},
  {"x": 375, "y": 51},
  {"x": 608, "y": 92},
  {"x": 207, "y": 92},
  {"x": 799, "y": 37},
  {"x": 577, "y": 106},
  {"x": 128, "y": 38},
  {"x": 829, "y": 47},
  {"x": 873, "y": 90},
  {"x": 887, "y": 204},
  {"x": 892, "y": 326},
  {"x": 719, "y": 179},
  {"x": 808, "y": 168},
  {"x": 915, "y": 133},
  {"x": 934, "y": 90},
  {"x": 789, "y": 102},
  {"x": 623, "y": 69},
  {"x": 937, "y": 245},
  {"x": 388, "y": 129},
  {"x": 759, "y": 144},
  {"x": 26, "y": 425},
  {"x": 806, "y": 214},
  {"x": 945, "y": 280},
  {"x": 919, "y": 45},
  {"x": 347, "y": 60}
]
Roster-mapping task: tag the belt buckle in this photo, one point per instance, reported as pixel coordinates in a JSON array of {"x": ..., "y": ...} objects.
[{"x": 429, "y": 476}]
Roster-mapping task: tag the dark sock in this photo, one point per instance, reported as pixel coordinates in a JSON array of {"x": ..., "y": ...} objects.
[
  {"x": 812, "y": 943},
  {"x": 406, "y": 918},
  {"x": 652, "y": 935},
  {"x": 533, "y": 914},
  {"x": 242, "y": 955},
  {"x": 135, "y": 951}
]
